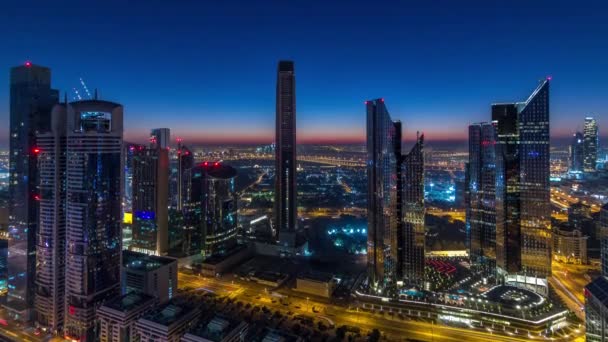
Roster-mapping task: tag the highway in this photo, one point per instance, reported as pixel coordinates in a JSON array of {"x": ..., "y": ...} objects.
[
  {"x": 393, "y": 327},
  {"x": 569, "y": 282}
]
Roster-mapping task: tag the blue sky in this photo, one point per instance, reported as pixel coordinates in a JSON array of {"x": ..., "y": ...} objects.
[{"x": 206, "y": 69}]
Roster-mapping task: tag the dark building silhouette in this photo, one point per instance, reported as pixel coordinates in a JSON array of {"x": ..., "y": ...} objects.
[
  {"x": 285, "y": 205},
  {"x": 31, "y": 102},
  {"x": 590, "y": 133},
  {"x": 481, "y": 200},
  {"x": 523, "y": 208}
]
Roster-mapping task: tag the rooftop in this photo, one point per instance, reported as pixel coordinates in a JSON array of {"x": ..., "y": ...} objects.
[
  {"x": 170, "y": 313},
  {"x": 317, "y": 276},
  {"x": 144, "y": 262},
  {"x": 215, "y": 327},
  {"x": 128, "y": 302}
]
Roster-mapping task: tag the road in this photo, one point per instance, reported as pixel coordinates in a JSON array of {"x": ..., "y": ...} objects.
[
  {"x": 569, "y": 282},
  {"x": 298, "y": 303}
]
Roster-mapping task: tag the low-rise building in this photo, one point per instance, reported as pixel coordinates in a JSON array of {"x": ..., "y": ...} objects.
[
  {"x": 569, "y": 245},
  {"x": 217, "y": 328},
  {"x": 117, "y": 317},
  {"x": 169, "y": 322},
  {"x": 318, "y": 284},
  {"x": 149, "y": 274},
  {"x": 219, "y": 264}
]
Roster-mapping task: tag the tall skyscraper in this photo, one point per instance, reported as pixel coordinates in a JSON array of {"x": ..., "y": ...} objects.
[
  {"x": 31, "y": 101},
  {"x": 481, "y": 202},
  {"x": 603, "y": 227},
  {"x": 160, "y": 137},
  {"x": 577, "y": 152},
  {"x": 185, "y": 163},
  {"x": 94, "y": 185},
  {"x": 214, "y": 207},
  {"x": 150, "y": 200},
  {"x": 383, "y": 168},
  {"x": 51, "y": 241},
  {"x": 590, "y": 144},
  {"x": 523, "y": 208},
  {"x": 596, "y": 308},
  {"x": 285, "y": 205},
  {"x": 413, "y": 243}
]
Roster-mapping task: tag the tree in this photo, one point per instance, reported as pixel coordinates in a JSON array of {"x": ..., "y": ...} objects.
[{"x": 374, "y": 336}]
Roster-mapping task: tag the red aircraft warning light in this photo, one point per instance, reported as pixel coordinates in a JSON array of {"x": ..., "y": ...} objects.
[
  {"x": 28, "y": 64},
  {"x": 36, "y": 150}
]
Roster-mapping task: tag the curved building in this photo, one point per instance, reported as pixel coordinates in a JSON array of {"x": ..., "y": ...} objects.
[{"x": 212, "y": 211}]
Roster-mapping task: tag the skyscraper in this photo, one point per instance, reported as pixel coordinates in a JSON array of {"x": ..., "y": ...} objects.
[
  {"x": 285, "y": 205},
  {"x": 150, "y": 200},
  {"x": 31, "y": 101},
  {"x": 577, "y": 152},
  {"x": 481, "y": 202},
  {"x": 94, "y": 185},
  {"x": 523, "y": 208},
  {"x": 214, "y": 207},
  {"x": 596, "y": 292},
  {"x": 160, "y": 137},
  {"x": 383, "y": 168},
  {"x": 413, "y": 243},
  {"x": 50, "y": 249},
  {"x": 603, "y": 227},
  {"x": 590, "y": 144},
  {"x": 185, "y": 163}
]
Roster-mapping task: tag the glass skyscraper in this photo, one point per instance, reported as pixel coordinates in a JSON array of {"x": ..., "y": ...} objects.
[
  {"x": 577, "y": 152},
  {"x": 214, "y": 207},
  {"x": 596, "y": 293},
  {"x": 590, "y": 145},
  {"x": 523, "y": 208},
  {"x": 412, "y": 244},
  {"x": 481, "y": 201},
  {"x": 285, "y": 205},
  {"x": 383, "y": 168},
  {"x": 94, "y": 186},
  {"x": 150, "y": 200},
  {"x": 31, "y": 102}
]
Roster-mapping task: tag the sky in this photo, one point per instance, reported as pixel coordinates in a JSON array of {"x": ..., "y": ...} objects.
[{"x": 207, "y": 69}]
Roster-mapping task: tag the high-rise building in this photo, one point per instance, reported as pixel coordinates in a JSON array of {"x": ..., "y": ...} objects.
[
  {"x": 185, "y": 163},
  {"x": 31, "y": 102},
  {"x": 94, "y": 185},
  {"x": 577, "y": 152},
  {"x": 153, "y": 275},
  {"x": 596, "y": 306},
  {"x": 285, "y": 205},
  {"x": 160, "y": 137},
  {"x": 412, "y": 245},
  {"x": 128, "y": 153},
  {"x": 590, "y": 133},
  {"x": 603, "y": 234},
  {"x": 51, "y": 242},
  {"x": 150, "y": 200},
  {"x": 383, "y": 168},
  {"x": 523, "y": 208},
  {"x": 481, "y": 201},
  {"x": 213, "y": 208}
]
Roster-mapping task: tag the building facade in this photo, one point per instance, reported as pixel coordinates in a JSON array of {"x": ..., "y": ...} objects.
[
  {"x": 412, "y": 244},
  {"x": 285, "y": 197},
  {"x": 160, "y": 138},
  {"x": 31, "y": 102},
  {"x": 117, "y": 317},
  {"x": 383, "y": 168},
  {"x": 94, "y": 187},
  {"x": 481, "y": 196},
  {"x": 51, "y": 237},
  {"x": 213, "y": 207},
  {"x": 570, "y": 246},
  {"x": 577, "y": 152},
  {"x": 590, "y": 133},
  {"x": 150, "y": 200},
  {"x": 523, "y": 208}
]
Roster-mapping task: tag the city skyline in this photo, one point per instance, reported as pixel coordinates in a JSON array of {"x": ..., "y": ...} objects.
[{"x": 469, "y": 67}]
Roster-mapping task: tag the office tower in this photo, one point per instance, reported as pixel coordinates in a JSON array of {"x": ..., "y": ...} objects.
[
  {"x": 150, "y": 200},
  {"x": 31, "y": 101},
  {"x": 51, "y": 242},
  {"x": 577, "y": 152},
  {"x": 481, "y": 179},
  {"x": 590, "y": 144},
  {"x": 94, "y": 184},
  {"x": 413, "y": 244},
  {"x": 160, "y": 137},
  {"x": 185, "y": 163},
  {"x": 523, "y": 208},
  {"x": 383, "y": 168},
  {"x": 603, "y": 234},
  {"x": 129, "y": 152},
  {"x": 213, "y": 209},
  {"x": 285, "y": 195}
]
